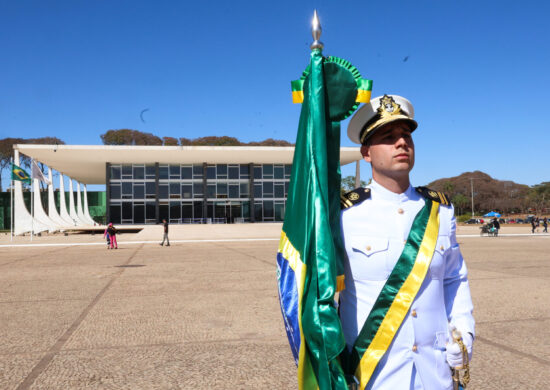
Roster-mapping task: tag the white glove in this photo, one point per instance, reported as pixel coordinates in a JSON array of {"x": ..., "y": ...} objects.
[{"x": 454, "y": 354}]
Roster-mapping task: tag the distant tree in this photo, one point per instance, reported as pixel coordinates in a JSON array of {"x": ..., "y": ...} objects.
[
  {"x": 129, "y": 137},
  {"x": 460, "y": 202},
  {"x": 186, "y": 142},
  {"x": 169, "y": 141},
  {"x": 270, "y": 142},
  {"x": 539, "y": 197},
  {"x": 216, "y": 141},
  {"x": 348, "y": 183}
]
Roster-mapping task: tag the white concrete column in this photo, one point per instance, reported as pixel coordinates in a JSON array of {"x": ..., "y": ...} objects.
[
  {"x": 86, "y": 208},
  {"x": 22, "y": 219},
  {"x": 72, "y": 209},
  {"x": 39, "y": 213},
  {"x": 52, "y": 210},
  {"x": 79, "y": 210},
  {"x": 63, "y": 213}
]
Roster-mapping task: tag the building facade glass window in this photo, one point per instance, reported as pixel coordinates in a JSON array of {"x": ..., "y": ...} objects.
[{"x": 143, "y": 194}]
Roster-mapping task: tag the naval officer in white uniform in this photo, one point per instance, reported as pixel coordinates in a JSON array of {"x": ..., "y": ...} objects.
[{"x": 376, "y": 223}]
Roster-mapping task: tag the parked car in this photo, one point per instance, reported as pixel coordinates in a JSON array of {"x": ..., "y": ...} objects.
[
  {"x": 471, "y": 221},
  {"x": 519, "y": 220}
]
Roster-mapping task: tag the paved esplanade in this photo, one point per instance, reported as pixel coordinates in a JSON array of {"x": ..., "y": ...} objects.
[{"x": 206, "y": 316}]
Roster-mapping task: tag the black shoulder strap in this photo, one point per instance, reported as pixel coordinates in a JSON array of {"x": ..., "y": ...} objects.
[
  {"x": 354, "y": 197},
  {"x": 434, "y": 195}
]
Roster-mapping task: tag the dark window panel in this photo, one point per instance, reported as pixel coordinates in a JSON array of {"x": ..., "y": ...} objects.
[
  {"x": 279, "y": 211},
  {"x": 220, "y": 210},
  {"x": 267, "y": 171},
  {"x": 139, "y": 191},
  {"x": 139, "y": 213},
  {"x": 234, "y": 190},
  {"x": 233, "y": 172},
  {"x": 127, "y": 171},
  {"x": 211, "y": 172},
  {"x": 246, "y": 210},
  {"x": 163, "y": 211},
  {"x": 197, "y": 171},
  {"x": 175, "y": 211},
  {"x": 268, "y": 209},
  {"x": 211, "y": 190},
  {"x": 187, "y": 191},
  {"x": 257, "y": 172},
  {"x": 221, "y": 171},
  {"x": 197, "y": 209},
  {"x": 279, "y": 172},
  {"x": 163, "y": 191},
  {"x": 279, "y": 190},
  {"x": 210, "y": 210},
  {"x": 150, "y": 188},
  {"x": 115, "y": 173},
  {"x": 186, "y": 173},
  {"x": 258, "y": 191},
  {"x": 115, "y": 192},
  {"x": 197, "y": 190},
  {"x": 126, "y": 189},
  {"x": 175, "y": 190},
  {"x": 268, "y": 189},
  {"x": 126, "y": 210},
  {"x": 245, "y": 172},
  {"x": 244, "y": 190},
  {"x": 286, "y": 188},
  {"x": 174, "y": 171},
  {"x": 150, "y": 171},
  {"x": 221, "y": 190},
  {"x": 187, "y": 210},
  {"x": 150, "y": 210},
  {"x": 139, "y": 173},
  {"x": 163, "y": 172},
  {"x": 115, "y": 214},
  {"x": 258, "y": 212}
]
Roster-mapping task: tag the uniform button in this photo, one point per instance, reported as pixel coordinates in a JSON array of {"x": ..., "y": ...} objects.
[
  {"x": 442, "y": 247},
  {"x": 400, "y": 211},
  {"x": 368, "y": 248},
  {"x": 414, "y": 348},
  {"x": 413, "y": 313}
]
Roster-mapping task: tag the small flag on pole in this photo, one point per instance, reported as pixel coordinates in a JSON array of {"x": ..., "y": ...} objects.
[
  {"x": 36, "y": 173},
  {"x": 19, "y": 174}
]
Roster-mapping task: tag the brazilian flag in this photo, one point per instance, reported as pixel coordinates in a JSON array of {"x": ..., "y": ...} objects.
[
  {"x": 309, "y": 258},
  {"x": 18, "y": 173}
]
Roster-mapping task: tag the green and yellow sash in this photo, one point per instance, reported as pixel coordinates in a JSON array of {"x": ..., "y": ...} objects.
[{"x": 397, "y": 295}]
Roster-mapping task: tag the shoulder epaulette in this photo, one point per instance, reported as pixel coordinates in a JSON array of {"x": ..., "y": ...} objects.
[
  {"x": 434, "y": 195},
  {"x": 354, "y": 197}
]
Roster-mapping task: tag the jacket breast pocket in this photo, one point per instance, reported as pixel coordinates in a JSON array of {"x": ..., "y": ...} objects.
[
  {"x": 437, "y": 266},
  {"x": 369, "y": 258}
]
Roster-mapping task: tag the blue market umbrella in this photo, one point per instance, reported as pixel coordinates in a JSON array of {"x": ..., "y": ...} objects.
[{"x": 492, "y": 214}]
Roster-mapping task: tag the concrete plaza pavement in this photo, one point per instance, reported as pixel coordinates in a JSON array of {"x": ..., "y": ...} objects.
[{"x": 205, "y": 315}]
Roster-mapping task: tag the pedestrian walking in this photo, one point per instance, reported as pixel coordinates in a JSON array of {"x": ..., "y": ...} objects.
[
  {"x": 533, "y": 225},
  {"x": 106, "y": 235},
  {"x": 111, "y": 230},
  {"x": 545, "y": 225},
  {"x": 165, "y": 236}
]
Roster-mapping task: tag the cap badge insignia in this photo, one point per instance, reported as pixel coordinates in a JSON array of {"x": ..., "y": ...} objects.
[
  {"x": 388, "y": 107},
  {"x": 433, "y": 194},
  {"x": 353, "y": 196}
]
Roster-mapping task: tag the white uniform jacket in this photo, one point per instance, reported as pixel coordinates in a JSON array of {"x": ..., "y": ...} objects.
[{"x": 375, "y": 232}]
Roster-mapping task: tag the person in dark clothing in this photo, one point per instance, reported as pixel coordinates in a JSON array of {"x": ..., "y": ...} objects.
[
  {"x": 496, "y": 225},
  {"x": 533, "y": 225},
  {"x": 545, "y": 225},
  {"x": 165, "y": 236}
]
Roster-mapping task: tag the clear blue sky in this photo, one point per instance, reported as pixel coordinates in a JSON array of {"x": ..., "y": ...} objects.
[{"x": 477, "y": 72}]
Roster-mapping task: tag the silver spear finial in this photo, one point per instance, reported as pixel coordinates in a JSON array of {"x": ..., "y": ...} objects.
[{"x": 316, "y": 32}]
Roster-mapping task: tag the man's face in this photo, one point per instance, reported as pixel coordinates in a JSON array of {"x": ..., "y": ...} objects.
[{"x": 390, "y": 151}]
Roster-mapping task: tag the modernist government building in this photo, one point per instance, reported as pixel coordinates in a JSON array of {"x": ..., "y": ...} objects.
[{"x": 182, "y": 184}]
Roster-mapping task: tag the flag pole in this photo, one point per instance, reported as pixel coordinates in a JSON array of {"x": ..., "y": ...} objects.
[
  {"x": 32, "y": 202},
  {"x": 11, "y": 201}
]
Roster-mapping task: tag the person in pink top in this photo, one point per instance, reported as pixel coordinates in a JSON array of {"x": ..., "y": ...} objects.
[{"x": 111, "y": 231}]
